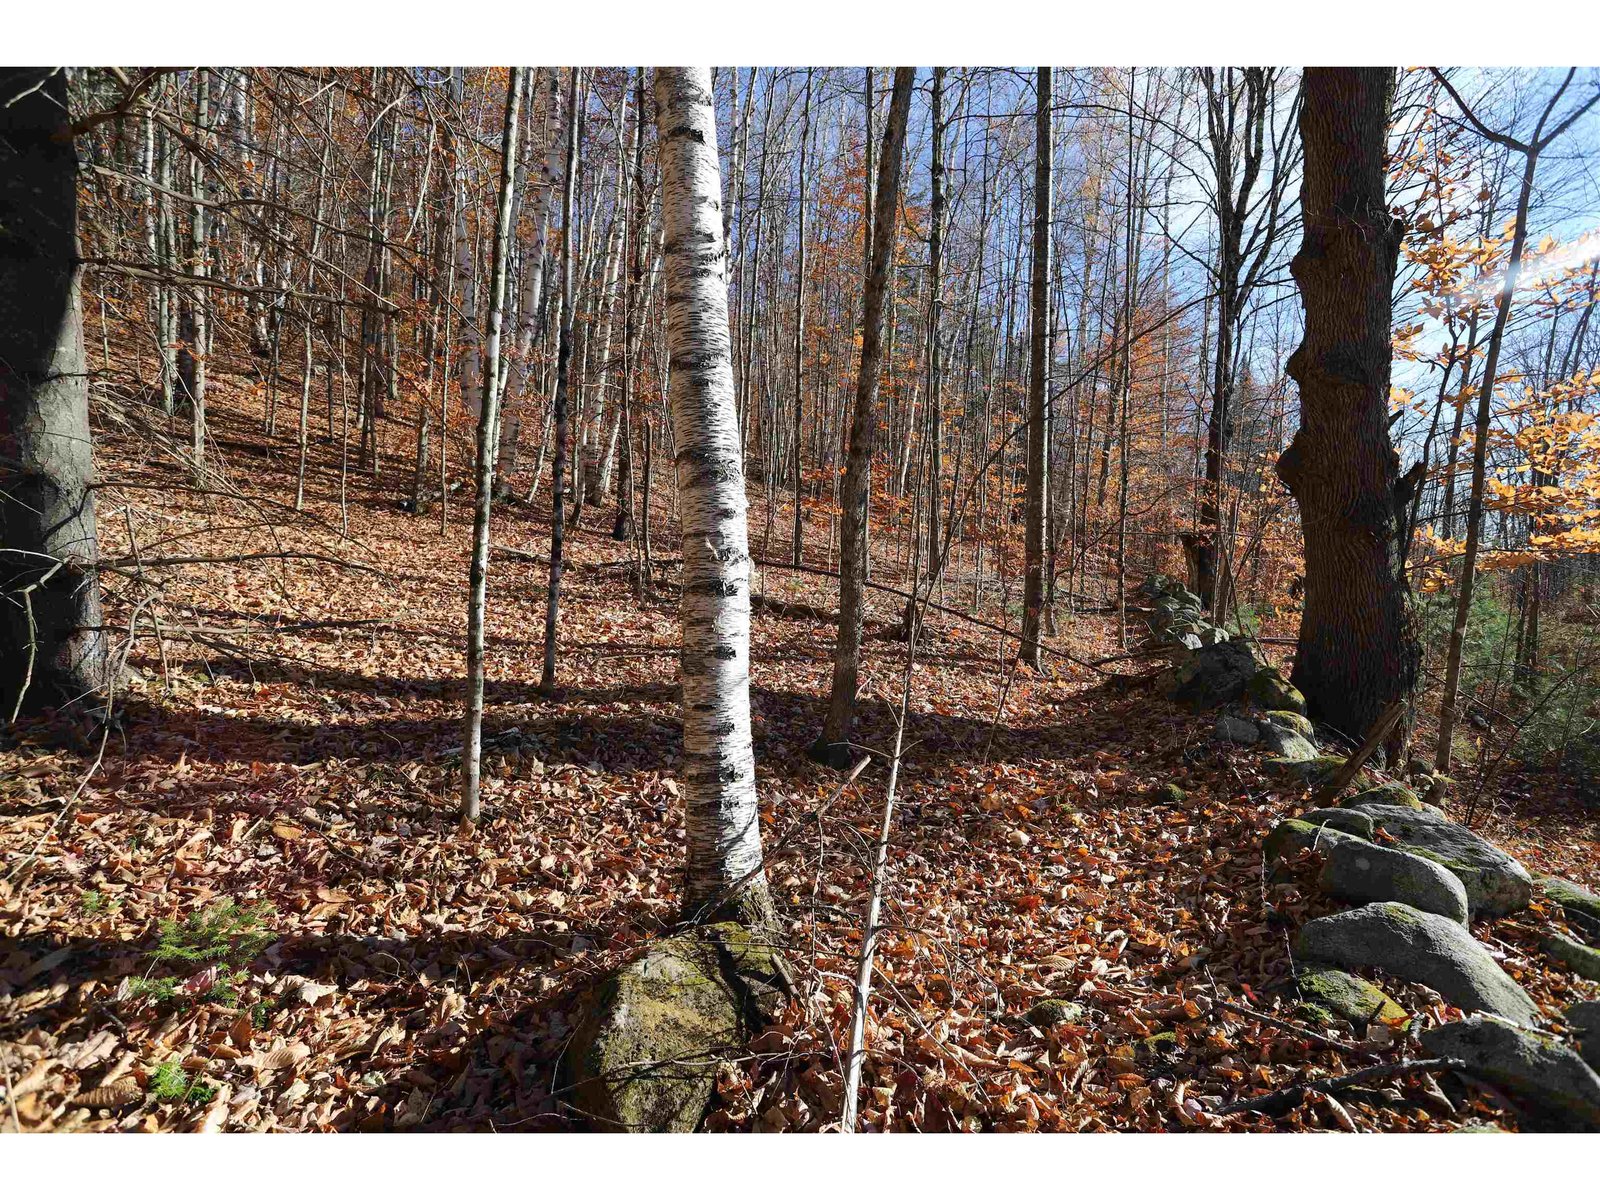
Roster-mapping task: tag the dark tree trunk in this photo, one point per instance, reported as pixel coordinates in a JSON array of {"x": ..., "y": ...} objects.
[
  {"x": 1038, "y": 381},
  {"x": 52, "y": 649},
  {"x": 1358, "y": 649},
  {"x": 833, "y": 746}
]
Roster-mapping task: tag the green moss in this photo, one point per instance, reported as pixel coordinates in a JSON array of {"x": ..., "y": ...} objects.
[
  {"x": 1168, "y": 793},
  {"x": 1351, "y": 997},
  {"x": 1581, "y": 906},
  {"x": 1269, "y": 690},
  {"x": 1290, "y": 719},
  {"x": 1053, "y": 1011},
  {"x": 1583, "y": 960},
  {"x": 1396, "y": 794},
  {"x": 1158, "y": 1044}
]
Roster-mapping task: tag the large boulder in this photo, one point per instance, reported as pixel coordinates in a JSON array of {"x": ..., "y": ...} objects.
[
  {"x": 1291, "y": 720},
  {"x": 1290, "y": 837},
  {"x": 1236, "y": 729},
  {"x": 1268, "y": 689},
  {"x": 1288, "y": 744},
  {"x": 1396, "y": 795},
  {"x": 1422, "y": 947},
  {"x": 1584, "y": 1020},
  {"x": 1362, "y": 871},
  {"x": 1312, "y": 772},
  {"x": 1580, "y": 905},
  {"x": 1346, "y": 996},
  {"x": 1496, "y": 883},
  {"x": 1580, "y": 959},
  {"x": 1536, "y": 1068},
  {"x": 1343, "y": 819},
  {"x": 1212, "y": 676},
  {"x": 644, "y": 1056}
]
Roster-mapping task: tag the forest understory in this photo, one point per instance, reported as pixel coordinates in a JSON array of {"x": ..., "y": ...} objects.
[{"x": 288, "y": 733}]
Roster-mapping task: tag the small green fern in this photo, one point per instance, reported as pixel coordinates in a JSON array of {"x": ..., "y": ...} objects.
[{"x": 171, "y": 1084}]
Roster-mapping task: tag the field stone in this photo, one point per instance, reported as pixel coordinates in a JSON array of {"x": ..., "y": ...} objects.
[
  {"x": 1584, "y": 1019},
  {"x": 1362, "y": 871},
  {"x": 1285, "y": 742},
  {"x": 1421, "y": 947},
  {"x": 1290, "y": 719},
  {"x": 1496, "y": 883},
  {"x": 1212, "y": 676},
  {"x": 1268, "y": 689},
  {"x": 1291, "y": 836},
  {"x": 645, "y": 1053},
  {"x": 1391, "y": 793},
  {"x": 1346, "y": 996},
  {"x": 1343, "y": 819},
  {"x": 1580, "y": 959},
  {"x": 1236, "y": 729},
  {"x": 1580, "y": 905},
  {"x": 1534, "y": 1067}
]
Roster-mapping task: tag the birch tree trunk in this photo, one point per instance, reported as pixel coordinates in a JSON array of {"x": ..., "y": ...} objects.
[
  {"x": 725, "y": 876},
  {"x": 52, "y": 650},
  {"x": 833, "y": 746}
]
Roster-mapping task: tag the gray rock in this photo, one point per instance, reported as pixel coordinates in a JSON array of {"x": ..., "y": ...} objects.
[
  {"x": 1534, "y": 1067},
  {"x": 1584, "y": 1019},
  {"x": 1496, "y": 883},
  {"x": 1583, "y": 960},
  {"x": 644, "y": 1055},
  {"x": 1291, "y": 720},
  {"x": 1212, "y": 676},
  {"x": 1422, "y": 947},
  {"x": 1581, "y": 906},
  {"x": 1290, "y": 837},
  {"x": 1285, "y": 742},
  {"x": 1235, "y": 729},
  {"x": 1312, "y": 772},
  {"x": 1362, "y": 871},
  {"x": 1343, "y": 819}
]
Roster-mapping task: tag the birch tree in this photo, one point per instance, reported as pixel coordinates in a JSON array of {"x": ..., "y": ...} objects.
[{"x": 725, "y": 874}]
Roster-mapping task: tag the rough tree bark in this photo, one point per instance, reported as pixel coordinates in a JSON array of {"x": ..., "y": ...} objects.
[
  {"x": 725, "y": 877},
  {"x": 1358, "y": 649},
  {"x": 833, "y": 746},
  {"x": 52, "y": 650}
]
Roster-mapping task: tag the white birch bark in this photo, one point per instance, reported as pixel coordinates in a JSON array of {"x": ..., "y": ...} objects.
[{"x": 725, "y": 875}]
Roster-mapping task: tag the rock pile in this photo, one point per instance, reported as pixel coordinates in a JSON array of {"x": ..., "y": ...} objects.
[{"x": 1417, "y": 876}]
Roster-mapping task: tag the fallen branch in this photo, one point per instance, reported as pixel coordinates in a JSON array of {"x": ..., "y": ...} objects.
[{"x": 1285, "y": 1099}]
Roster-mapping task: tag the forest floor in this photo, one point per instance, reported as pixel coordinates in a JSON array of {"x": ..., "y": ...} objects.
[{"x": 295, "y": 739}]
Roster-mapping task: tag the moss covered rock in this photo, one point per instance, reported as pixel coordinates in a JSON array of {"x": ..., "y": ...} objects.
[
  {"x": 1580, "y": 905},
  {"x": 1584, "y": 1019},
  {"x": 1389, "y": 793},
  {"x": 1362, "y": 871},
  {"x": 1268, "y": 689},
  {"x": 1345, "y": 820},
  {"x": 1496, "y": 883},
  {"x": 1312, "y": 772},
  {"x": 1421, "y": 947},
  {"x": 1290, "y": 837},
  {"x": 1580, "y": 959},
  {"x": 1536, "y": 1068},
  {"x": 1290, "y": 719},
  {"x": 1211, "y": 676},
  {"x": 1053, "y": 1011},
  {"x": 1168, "y": 793},
  {"x": 1346, "y": 996},
  {"x": 645, "y": 1053}
]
